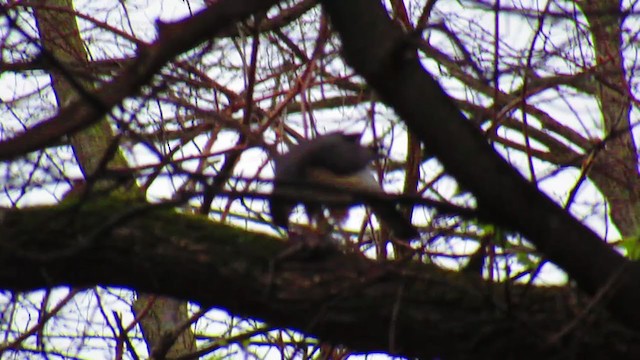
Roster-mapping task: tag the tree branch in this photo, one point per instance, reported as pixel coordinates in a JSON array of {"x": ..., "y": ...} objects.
[
  {"x": 173, "y": 39},
  {"x": 427, "y": 311},
  {"x": 387, "y": 58}
]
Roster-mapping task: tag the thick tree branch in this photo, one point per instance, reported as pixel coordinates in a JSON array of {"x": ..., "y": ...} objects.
[
  {"x": 413, "y": 310},
  {"x": 173, "y": 39},
  {"x": 387, "y": 58}
]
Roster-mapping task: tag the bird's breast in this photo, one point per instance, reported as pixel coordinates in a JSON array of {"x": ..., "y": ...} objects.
[{"x": 362, "y": 180}]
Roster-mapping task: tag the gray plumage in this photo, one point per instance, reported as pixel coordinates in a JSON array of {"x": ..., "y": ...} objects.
[{"x": 313, "y": 172}]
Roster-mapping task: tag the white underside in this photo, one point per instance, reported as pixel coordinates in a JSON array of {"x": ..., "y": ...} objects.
[{"x": 360, "y": 181}]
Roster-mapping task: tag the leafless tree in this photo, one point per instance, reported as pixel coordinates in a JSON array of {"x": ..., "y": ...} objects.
[{"x": 137, "y": 142}]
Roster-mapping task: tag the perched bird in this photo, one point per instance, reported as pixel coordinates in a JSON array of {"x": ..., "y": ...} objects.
[{"x": 322, "y": 172}]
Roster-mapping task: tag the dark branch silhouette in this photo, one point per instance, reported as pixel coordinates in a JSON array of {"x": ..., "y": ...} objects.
[
  {"x": 381, "y": 52},
  {"x": 417, "y": 310}
]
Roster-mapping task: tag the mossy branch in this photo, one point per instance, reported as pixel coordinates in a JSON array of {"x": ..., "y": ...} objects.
[{"x": 409, "y": 309}]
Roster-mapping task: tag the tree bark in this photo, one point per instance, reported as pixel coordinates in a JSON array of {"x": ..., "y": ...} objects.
[
  {"x": 95, "y": 149},
  {"x": 415, "y": 311},
  {"x": 616, "y": 162}
]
